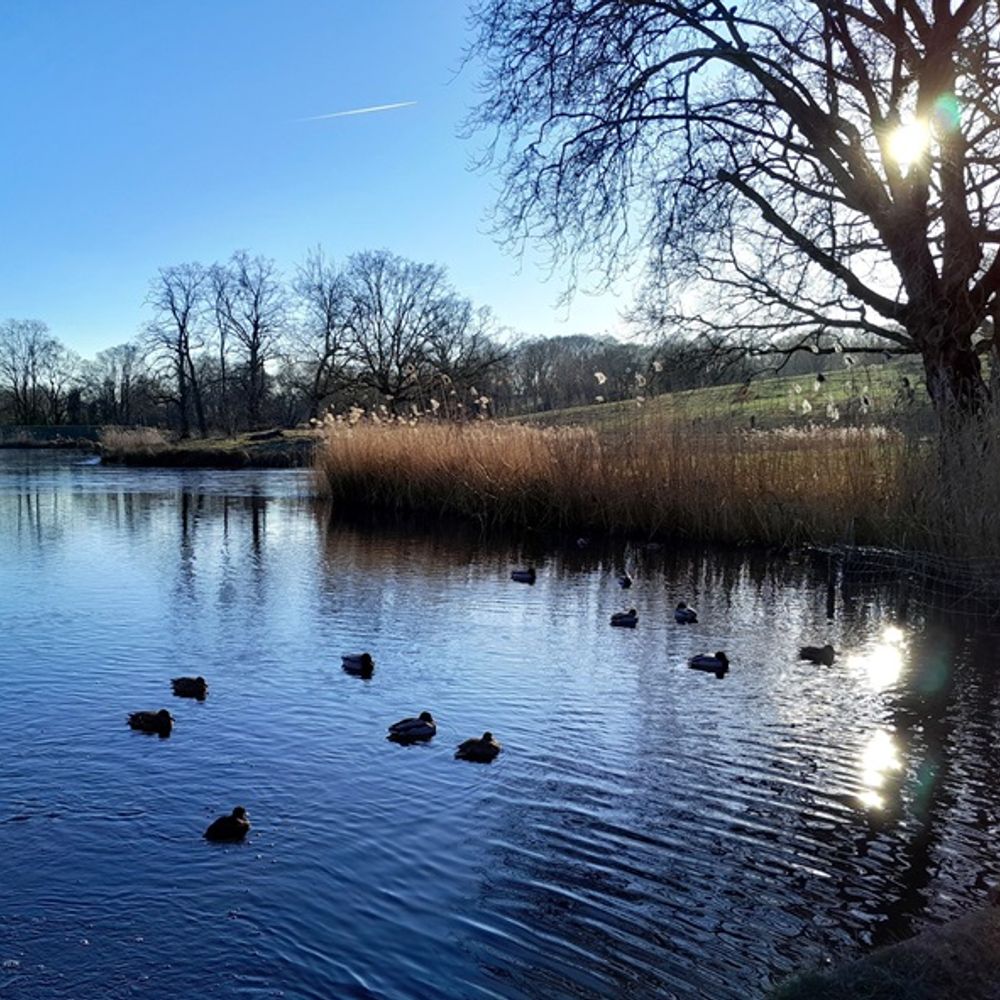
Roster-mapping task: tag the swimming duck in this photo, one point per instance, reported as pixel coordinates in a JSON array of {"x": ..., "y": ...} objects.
[
  {"x": 684, "y": 615},
  {"x": 625, "y": 619},
  {"x": 523, "y": 575},
  {"x": 481, "y": 750},
  {"x": 235, "y": 826},
  {"x": 358, "y": 664},
  {"x": 718, "y": 664},
  {"x": 625, "y": 580},
  {"x": 818, "y": 654},
  {"x": 152, "y": 722},
  {"x": 190, "y": 687},
  {"x": 411, "y": 730}
]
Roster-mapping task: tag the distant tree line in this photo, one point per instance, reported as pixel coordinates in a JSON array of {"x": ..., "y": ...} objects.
[{"x": 236, "y": 345}]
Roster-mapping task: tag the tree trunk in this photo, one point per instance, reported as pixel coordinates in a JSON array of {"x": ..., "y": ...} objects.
[
  {"x": 182, "y": 397},
  {"x": 199, "y": 408},
  {"x": 952, "y": 371}
]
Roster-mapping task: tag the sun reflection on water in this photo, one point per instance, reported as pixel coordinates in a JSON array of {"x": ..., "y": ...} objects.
[
  {"x": 882, "y": 665},
  {"x": 878, "y": 760}
]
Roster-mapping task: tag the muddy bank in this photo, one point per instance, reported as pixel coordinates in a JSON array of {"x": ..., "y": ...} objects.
[
  {"x": 265, "y": 451},
  {"x": 957, "y": 959}
]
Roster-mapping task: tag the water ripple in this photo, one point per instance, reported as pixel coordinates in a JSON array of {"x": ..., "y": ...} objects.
[{"x": 647, "y": 831}]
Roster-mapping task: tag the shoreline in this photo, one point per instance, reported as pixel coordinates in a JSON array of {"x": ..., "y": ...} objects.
[
  {"x": 958, "y": 958},
  {"x": 264, "y": 451},
  {"x": 55, "y": 444}
]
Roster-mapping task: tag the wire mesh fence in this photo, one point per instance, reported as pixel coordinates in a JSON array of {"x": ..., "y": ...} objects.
[{"x": 955, "y": 585}]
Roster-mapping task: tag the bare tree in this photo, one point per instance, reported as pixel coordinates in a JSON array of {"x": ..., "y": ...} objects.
[
  {"x": 464, "y": 351},
  {"x": 400, "y": 313},
  {"x": 821, "y": 165},
  {"x": 553, "y": 372},
  {"x": 250, "y": 308},
  {"x": 36, "y": 371},
  {"x": 320, "y": 342},
  {"x": 116, "y": 384},
  {"x": 175, "y": 334}
]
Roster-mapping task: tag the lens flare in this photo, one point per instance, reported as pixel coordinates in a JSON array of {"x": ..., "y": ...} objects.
[{"x": 946, "y": 116}]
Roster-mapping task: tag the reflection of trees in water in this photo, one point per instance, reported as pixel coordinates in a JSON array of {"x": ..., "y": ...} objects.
[
  {"x": 35, "y": 518},
  {"x": 228, "y": 534}
]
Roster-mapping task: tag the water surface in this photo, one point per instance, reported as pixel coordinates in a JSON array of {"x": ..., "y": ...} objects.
[{"x": 648, "y": 831}]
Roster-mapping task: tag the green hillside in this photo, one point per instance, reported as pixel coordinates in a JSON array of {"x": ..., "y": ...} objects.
[{"x": 857, "y": 394}]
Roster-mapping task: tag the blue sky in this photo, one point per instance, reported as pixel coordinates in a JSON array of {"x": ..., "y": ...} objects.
[{"x": 141, "y": 134}]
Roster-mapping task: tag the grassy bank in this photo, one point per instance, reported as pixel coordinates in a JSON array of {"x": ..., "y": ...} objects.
[
  {"x": 959, "y": 959},
  {"x": 81, "y": 437},
  {"x": 859, "y": 394},
  {"x": 265, "y": 450}
]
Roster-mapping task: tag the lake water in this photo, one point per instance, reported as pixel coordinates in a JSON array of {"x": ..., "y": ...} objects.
[{"x": 648, "y": 830}]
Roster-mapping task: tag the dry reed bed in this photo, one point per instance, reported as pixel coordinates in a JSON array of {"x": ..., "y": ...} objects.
[
  {"x": 784, "y": 487},
  {"x": 129, "y": 439}
]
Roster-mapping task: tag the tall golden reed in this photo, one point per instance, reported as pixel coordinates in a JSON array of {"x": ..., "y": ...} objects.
[{"x": 710, "y": 483}]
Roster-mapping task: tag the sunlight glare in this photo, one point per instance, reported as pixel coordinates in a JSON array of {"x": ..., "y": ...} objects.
[
  {"x": 907, "y": 143},
  {"x": 892, "y": 634},
  {"x": 881, "y": 666},
  {"x": 870, "y": 799},
  {"x": 879, "y": 758}
]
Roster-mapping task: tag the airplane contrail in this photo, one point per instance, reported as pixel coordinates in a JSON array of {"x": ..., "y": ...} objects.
[{"x": 359, "y": 111}]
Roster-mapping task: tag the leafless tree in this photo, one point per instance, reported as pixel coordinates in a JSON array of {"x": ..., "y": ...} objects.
[
  {"x": 250, "y": 308},
  {"x": 407, "y": 327},
  {"x": 117, "y": 385},
  {"x": 464, "y": 352},
  {"x": 176, "y": 334},
  {"x": 36, "y": 371},
  {"x": 319, "y": 343},
  {"x": 820, "y": 166}
]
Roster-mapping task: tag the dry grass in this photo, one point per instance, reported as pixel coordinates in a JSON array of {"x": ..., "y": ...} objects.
[
  {"x": 782, "y": 487},
  {"x": 713, "y": 482},
  {"x": 124, "y": 439}
]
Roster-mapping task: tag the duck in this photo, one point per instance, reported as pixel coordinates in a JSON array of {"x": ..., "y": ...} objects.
[
  {"x": 818, "y": 654},
  {"x": 684, "y": 615},
  {"x": 411, "y": 730},
  {"x": 625, "y": 580},
  {"x": 160, "y": 722},
  {"x": 190, "y": 687},
  {"x": 358, "y": 664},
  {"x": 481, "y": 750},
  {"x": 625, "y": 619},
  {"x": 717, "y": 664},
  {"x": 523, "y": 575},
  {"x": 235, "y": 826}
]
